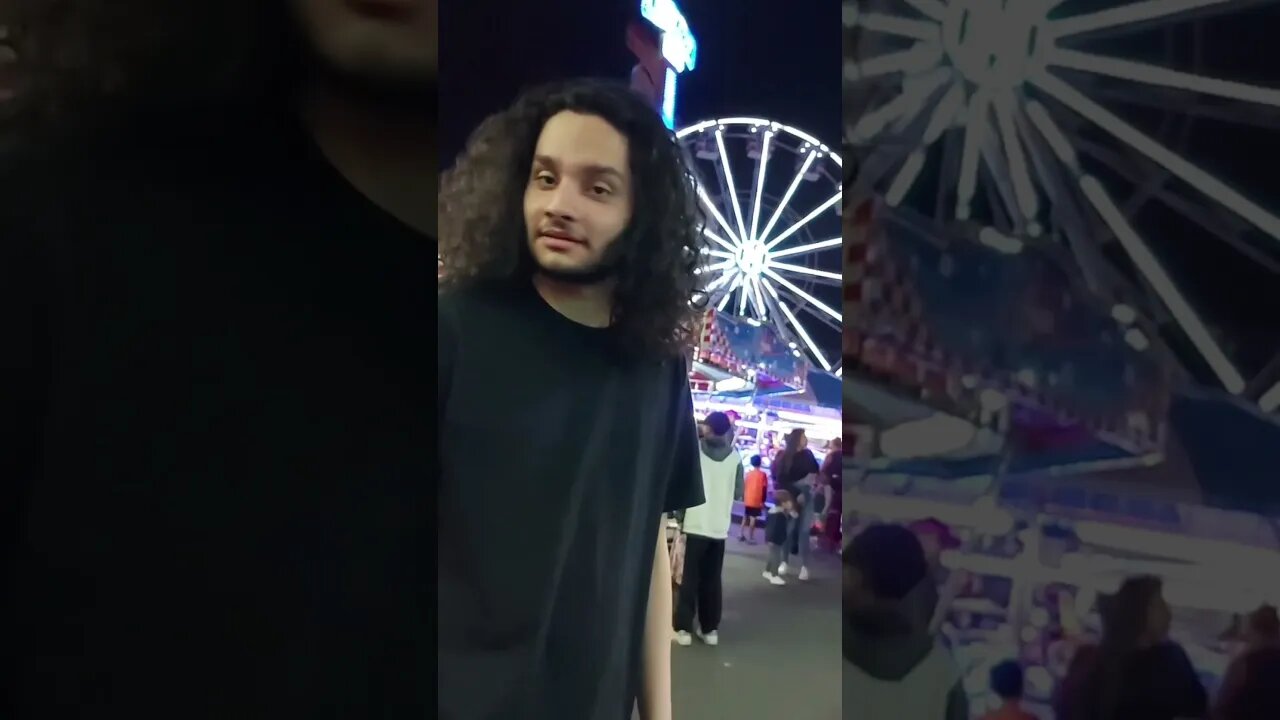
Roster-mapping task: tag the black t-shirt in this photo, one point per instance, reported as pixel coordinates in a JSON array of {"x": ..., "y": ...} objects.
[
  {"x": 557, "y": 460},
  {"x": 1156, "y": 683},
  {"x": 213, "y": 433},
  {"x": 789, "y": 474}
]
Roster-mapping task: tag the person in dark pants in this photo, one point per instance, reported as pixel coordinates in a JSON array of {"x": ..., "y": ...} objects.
[
  {"x": 706, "y": 527},
  {"x": 894, "y": 668},
  {"x": 776, "y": 533}
]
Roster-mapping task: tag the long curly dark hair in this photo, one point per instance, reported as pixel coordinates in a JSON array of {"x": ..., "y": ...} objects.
[
  {"x": 85, "y": 62},
  {"x": 657, "y": 308}
]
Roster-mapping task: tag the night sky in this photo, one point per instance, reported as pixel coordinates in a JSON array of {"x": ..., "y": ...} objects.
[{"x": 758, "y": 57}]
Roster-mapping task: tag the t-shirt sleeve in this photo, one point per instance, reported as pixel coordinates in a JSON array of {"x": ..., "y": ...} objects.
[{"x": 684, "y": 486}]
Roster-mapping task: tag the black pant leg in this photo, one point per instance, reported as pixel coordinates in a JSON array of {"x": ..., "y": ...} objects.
[
  {"x": 687, "y": 597},
  {"x": 711, "y": 587}
]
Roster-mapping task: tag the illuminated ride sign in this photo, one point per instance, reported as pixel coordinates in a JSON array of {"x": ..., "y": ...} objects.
[{"x": 662, "y": 59}]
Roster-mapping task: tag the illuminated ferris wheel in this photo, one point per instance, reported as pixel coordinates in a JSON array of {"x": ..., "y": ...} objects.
[
  {"x": 771, "y": 194},
  {"x": 983, "y": 112}
]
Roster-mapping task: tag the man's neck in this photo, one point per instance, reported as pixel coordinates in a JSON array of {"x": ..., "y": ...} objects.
[
  {"x": 391, "y": 159},
  {"x": 590, "y": 305}
]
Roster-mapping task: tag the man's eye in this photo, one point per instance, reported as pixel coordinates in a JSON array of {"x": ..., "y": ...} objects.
[
  {"x": 601, "y": 190},
  {"x": 544, "y": 179}
]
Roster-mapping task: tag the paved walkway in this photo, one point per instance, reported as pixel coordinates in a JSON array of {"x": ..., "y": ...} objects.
[{"x": 779, "y": 651}]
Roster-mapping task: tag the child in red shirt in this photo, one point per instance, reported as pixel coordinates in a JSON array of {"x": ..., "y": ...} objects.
[{"x": 752, "y": 500}]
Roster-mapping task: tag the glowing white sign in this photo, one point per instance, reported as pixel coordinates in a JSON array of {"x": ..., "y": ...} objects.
[{"x": 679, "y": 47}]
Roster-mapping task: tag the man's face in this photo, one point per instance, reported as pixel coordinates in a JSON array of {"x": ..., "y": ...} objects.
[
  {"x": 381, "y": 44},
  {"x": 579, "y": 197}
]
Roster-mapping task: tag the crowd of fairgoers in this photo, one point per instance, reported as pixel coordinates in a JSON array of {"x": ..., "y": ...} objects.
[
  {"x": 1061, "y": 618},
  {"x": 761, "y": 486}
]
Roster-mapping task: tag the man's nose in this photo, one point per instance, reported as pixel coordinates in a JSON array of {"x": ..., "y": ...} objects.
[{"x": 561, "y": 204}]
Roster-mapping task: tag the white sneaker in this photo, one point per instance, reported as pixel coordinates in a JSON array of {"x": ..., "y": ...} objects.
[
  {"x": 776, "y": 579},
  {"x": 804, "y": 573},
  {"x": 683, "y": 638},
  {"x": 782, "y": 569},
  {"x": 711, "y": 638},
  {"x": 766, "y": 575}
]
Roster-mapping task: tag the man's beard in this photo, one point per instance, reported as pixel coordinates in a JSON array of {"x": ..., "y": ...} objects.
[
  {"x": 603, "y": 271},
  {"x": 594, "y": 275}
]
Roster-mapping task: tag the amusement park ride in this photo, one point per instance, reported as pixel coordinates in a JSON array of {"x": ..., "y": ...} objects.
[
  {"x": 771, "y": 196},
  {"x": 980, "y": 149}
]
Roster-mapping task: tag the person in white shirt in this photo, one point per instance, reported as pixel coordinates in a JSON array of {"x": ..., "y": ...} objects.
[
  {"x": 894, "y": 668},
  {"x": 706, "y": 527}
]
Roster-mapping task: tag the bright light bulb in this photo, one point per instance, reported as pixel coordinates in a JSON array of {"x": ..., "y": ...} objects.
[{"x": 1123, "y": 314}]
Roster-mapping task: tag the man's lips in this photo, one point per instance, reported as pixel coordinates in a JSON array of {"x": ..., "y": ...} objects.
[{"x": 561, "y": 236}]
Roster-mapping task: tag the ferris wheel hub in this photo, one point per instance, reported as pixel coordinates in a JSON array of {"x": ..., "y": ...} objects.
[
  {"x": 752, "y": 258},
  {"x": 995, "y": 45}
]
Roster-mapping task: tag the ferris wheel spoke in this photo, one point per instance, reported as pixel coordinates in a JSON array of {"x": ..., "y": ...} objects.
[
  {"x": 1154, "y": 75},
  {"x": 725, "y": 276},
  {"x": 801, "y": 293},
  {"x": 902, "y": 108},
  {"x": 802, "y": 270},
  {"x": 728, "y": 294},
  {"x": 1164, "y": 286},
  {"x": 758, "y": 198},
  {"x": 718, "y": 266},
  {"x": 807, "y": 248},
  {"x": 1221, "y": 223},
  {"x": 770, "y": 297},
  {"x": 999, "y": 191},
  {"x": 920, "y": 57},
  {"x": 830, "y": 202},
  {"x": 1132, "y": 16},
  {"x": 1161, "y": 98},
  {"x": 929, "y": 8},
  {"x": 804, "y": 307},
  {"x": 787, "y": 325},
  {"x": 974, "y": 132},
  {"x": 804, "y": 335},
  {"x": 730, "y": 247},
  {"x": 1053, "y": 135},
  {"x": 1171, "y": 161},
  {"x": 791, "y": 190},
  {"x": 717, "y": 253},
  {"x": 943, "y": 116},
  {"x": 1024, "y": 191},
  {"x": 900, "y": 26},
  {"x": 757, "y": 300},
  {"x": 1270, "y": 399},
  {"x": 1057, "y": 178},
  {"x": 715, "y": 213},
  {"x": 905, "y": 178},
  {"x": 728, "y": 178}
]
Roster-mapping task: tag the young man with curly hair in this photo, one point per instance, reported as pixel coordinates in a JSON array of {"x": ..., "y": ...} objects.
[
  {"x": 215, "y": 230},
  {"x": 569, "y": 236}
]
